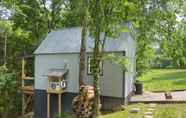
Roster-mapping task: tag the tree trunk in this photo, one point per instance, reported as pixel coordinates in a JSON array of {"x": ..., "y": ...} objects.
[
  {"x": 97, "y": 61},
  {"x": 84, "y": 17},
  {"x": 96, "y": 82},
  {"x": 5, "y": 49}
]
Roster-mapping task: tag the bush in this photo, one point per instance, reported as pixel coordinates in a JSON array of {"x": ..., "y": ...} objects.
[{"x": 8, "y": 91}]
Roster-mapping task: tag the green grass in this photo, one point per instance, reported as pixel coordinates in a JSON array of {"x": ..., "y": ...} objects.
[
  {"x": 126, "y": 113},
  {"x": 164, "y": 80},
  {"x": 171, "y": 111},
  {"x": 158, "y": 80},
  {"x": 162, "y": 111}
]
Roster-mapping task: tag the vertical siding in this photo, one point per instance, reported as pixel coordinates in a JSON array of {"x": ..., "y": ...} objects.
[
  {"x": 112, "y": 73},
  {"x": 43, "y": 63},
  {"x": 111, "y": 82},
  {"x": 40, "y": 103},
  {"x": 130, "y": 74},
  {"x": 112, "y": 79}
]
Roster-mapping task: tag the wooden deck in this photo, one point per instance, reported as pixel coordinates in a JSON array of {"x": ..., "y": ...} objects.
[{"x": 150, "y": 97}]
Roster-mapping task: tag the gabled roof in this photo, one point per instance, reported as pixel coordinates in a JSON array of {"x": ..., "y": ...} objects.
[{"x": 69, "y": 40}]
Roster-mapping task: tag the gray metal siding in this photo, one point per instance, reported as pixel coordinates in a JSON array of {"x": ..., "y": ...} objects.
[
  {"x": 43, "y": 63},
  {"x": 112, "y": 73},
  {"x": 130, "y": 74}
]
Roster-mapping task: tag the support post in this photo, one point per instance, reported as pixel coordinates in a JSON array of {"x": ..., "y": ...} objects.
[
  {"x": 48, "y": 105},
  {"x": 22, "y": 85},
  {"x": 59, "y": 104},
  {"x": 23, "y": 104}
]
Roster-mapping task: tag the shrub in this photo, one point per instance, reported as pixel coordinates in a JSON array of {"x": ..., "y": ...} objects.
[{"x": 8, "y": 92}]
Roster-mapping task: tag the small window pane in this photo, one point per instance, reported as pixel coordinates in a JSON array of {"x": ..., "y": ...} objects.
[{"x": 89, "y": 66}]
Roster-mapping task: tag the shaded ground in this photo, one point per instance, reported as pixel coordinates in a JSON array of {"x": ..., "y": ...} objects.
[{"x": 164, "y": 80}]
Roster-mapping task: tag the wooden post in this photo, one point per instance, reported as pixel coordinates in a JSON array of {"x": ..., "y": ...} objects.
[
  {"x": 23, "y": 68},
  {"x": 23, "y": 104},
  {"x": 59, "y": 104},
  {"x": 48, "y": 105},
  {"x": 22, "y": 85}
]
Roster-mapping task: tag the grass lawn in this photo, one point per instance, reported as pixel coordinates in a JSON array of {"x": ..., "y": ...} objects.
[
  {"x": 162, "y": 111},
  {"x": 158, "y": 80},
  {"x": 164, "y": 80}
]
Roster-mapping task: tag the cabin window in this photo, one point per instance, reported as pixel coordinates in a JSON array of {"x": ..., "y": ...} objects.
[{"x": 89, "y": 70}]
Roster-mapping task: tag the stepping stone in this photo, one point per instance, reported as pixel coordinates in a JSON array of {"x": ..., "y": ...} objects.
[
  {"x": 148, "y": 113},
  {"x": 151, "y": 109},
  {"x": 148, "y": 116},
  {"x": 123, "y": 107},
  {"x": 135, "y": 110},
  {"x": 152, "y": 105}
]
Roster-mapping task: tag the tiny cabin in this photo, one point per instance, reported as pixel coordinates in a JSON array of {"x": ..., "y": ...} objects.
[{"x": 60, "y": 51}]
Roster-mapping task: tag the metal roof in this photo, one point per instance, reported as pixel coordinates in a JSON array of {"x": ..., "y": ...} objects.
[{"x": 69, "y": 40}]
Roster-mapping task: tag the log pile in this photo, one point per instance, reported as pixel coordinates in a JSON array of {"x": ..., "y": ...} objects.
[{"x": 82, "y": 104}]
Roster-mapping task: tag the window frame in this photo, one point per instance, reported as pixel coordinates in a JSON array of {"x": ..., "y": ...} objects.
[{"x": 89, "y": 66}]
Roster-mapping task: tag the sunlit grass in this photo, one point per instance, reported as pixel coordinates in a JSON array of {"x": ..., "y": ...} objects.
[
  {"x": 164, "y": 80},
  {"x": 161, "y": 111}
]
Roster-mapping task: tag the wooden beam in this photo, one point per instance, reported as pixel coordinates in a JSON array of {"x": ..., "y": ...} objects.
[
  {"x": 59, "y": 104},
  {"x": 48, "y": 105},
  {"x": 23, "y": 104}
]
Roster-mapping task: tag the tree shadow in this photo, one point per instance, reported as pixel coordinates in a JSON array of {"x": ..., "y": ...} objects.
[
  {"x": 180, "y": 82},
  {"x": 179, "y": 77}
]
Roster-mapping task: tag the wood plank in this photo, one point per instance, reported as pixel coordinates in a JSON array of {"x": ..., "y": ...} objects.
[
  {"x": 28, "y": 78},
  {"x": 55, "y": 92},
  {"x": 59, "y": 104},
  {"x": 48, "y": 105},
  {"x": 27, "y": 88}
]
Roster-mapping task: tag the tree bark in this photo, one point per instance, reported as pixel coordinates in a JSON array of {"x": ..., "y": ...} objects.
[
  {"x": 97, "y": 61},
  {"x": 5, "y": 49},
  {"x": 84, "y": 17}
]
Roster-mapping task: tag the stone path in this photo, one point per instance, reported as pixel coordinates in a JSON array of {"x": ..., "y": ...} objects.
[
  {"x": 149, "y": 112},
  {"x": 150, "y": 97}
]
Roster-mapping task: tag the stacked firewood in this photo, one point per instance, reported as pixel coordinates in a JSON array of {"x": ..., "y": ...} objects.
[{"x": 82, "y": 104}]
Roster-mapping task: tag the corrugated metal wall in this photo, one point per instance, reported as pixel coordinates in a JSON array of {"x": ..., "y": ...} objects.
[{"x": 112, "y": 73}]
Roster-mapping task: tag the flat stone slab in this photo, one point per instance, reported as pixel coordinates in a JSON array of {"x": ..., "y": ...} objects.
[
  {"x": 152, "y": 105},
  {"x": 159, "y": 97},
  {"x": 135, "y": 110},
  {"x": 150, "y": 109},
  {"x": 148, "y": 116},
  {"x": 148, "y": 113}
]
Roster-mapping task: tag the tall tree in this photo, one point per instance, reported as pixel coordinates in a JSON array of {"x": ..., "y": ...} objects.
[
  {"x": 97, "y": 57},
  {"x": 84, "y": 25},
  {"x": 106, "y": 21}
]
